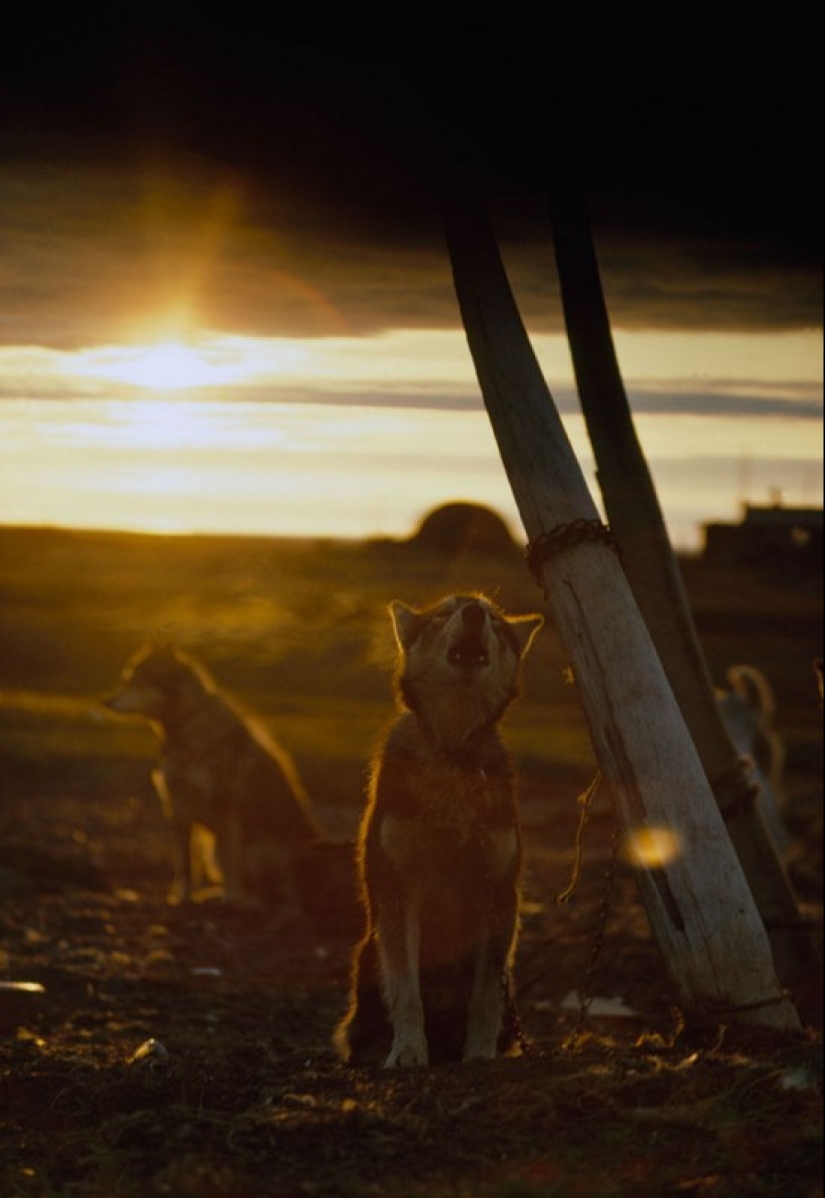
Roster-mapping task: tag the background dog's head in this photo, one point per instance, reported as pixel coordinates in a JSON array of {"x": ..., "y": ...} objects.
[
  {"x": 157, "y": 683},
  {"x": 460, "y": 660},
  {"x": 748, "y": 710}
]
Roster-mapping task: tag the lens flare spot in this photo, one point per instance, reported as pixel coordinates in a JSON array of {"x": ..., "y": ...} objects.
[{"x": 651, "y": 848}]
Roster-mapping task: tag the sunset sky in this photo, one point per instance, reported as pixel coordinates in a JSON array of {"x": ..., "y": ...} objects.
[{"x": 226, "y": 302}]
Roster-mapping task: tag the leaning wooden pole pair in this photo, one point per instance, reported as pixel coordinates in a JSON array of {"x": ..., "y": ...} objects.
[
  {"x": 699, "y": 906},
  {"x": 653, "y": 573}
]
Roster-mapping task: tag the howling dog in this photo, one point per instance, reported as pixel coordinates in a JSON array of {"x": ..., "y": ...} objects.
[
  {"x": 439, "y": 851},
  {"x": 218, "y": 773}
]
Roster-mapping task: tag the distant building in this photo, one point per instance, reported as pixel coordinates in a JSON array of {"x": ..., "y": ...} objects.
[{"x": 767, "y": 536}]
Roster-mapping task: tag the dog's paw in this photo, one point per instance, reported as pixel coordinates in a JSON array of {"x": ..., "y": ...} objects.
[
  {"x": 480, "y": 1044},
  {"x": 479, "y": 1053},
  {"x": 241, "y": 903},
  {"x": 407, "y": 1053}
]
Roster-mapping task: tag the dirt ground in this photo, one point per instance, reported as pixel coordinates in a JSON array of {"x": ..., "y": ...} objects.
[
  {"x": 243, "y": 1096},
  {"x": 185, "y": 1050}
]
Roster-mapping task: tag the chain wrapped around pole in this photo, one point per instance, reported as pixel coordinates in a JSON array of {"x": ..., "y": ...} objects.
[{"x": 566, "y": 536}]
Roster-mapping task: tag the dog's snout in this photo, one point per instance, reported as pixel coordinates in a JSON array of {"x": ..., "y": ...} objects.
[
  {"x": 468, "y": 649},
  {"x": 473, "y": 616}
]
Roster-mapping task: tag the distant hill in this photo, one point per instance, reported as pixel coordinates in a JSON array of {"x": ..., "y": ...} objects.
[{"x": 461, "y": 528}]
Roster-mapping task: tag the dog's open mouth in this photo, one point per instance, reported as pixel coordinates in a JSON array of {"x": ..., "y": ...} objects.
[{"x": 468, "y": 653}]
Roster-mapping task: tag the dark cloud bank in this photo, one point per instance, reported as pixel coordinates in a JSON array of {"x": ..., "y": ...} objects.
[{"x": 291, "y": 190}]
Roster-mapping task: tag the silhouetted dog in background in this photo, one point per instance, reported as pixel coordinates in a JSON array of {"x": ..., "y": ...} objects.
[
  {"x": 218, "y": 772},
  {"x": 748, "y": 710},
  {"x": 440, "y": 846}
]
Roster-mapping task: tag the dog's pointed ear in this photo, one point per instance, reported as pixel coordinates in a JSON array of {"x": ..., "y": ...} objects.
[
  {"x": 405, "y": 623},
  {"x": 524, "y": 628},
  {"x": 754, "y": 688}
]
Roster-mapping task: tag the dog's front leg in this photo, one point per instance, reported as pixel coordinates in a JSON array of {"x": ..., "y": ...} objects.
[
  {"x": 493, "y": 951},
  {"x": 231, "y": 842},
  {"x": 180, "y": 828},
  {"x": 399, "y": 941},
  {"x": 182, "y": 835},
  {"x": 485, "y": 1012},
  {"x": 496, "y": 938}
]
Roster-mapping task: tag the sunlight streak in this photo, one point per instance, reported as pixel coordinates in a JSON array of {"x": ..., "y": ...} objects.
[{"x": 266, "y": 430}]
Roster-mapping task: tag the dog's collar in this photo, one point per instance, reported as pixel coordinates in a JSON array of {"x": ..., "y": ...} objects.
[
  {"x": 406, "y": 693},
  {"x": 464, "y": 756},
  {"x": 464, "y": 759}
]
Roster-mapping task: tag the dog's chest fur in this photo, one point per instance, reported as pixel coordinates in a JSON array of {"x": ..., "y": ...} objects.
[
  {"x": 439, "y": 815},
  {"x": 201, "y": 754},
  {"x": 449, "y": 797}
]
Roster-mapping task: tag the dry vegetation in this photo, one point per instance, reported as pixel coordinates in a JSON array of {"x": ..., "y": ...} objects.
[{"x": 246, "y": 1098}]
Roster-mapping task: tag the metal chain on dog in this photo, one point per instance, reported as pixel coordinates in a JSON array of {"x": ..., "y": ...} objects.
[
  {"x": 585, "y": 801},
  {"x": 586, "y": 990},
  {"x": 511, "y": 1012}
]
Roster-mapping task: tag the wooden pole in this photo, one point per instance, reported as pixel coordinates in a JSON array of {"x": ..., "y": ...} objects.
[
  {"x": 636, "y": 520},
  {"x": 698, "y": 902}
]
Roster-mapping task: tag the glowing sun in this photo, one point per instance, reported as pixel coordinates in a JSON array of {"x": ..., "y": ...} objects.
[
  {"x": 167, "y": 366},
  {"x": 174, "y": 365},
  {"x": 164, "y": 365}
]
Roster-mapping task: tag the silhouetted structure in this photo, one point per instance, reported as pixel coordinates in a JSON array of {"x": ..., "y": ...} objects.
[{"x": 767, "y": 535}]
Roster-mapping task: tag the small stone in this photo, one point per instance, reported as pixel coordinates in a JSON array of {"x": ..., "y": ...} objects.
[{"x": 18, "y": 1003}]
